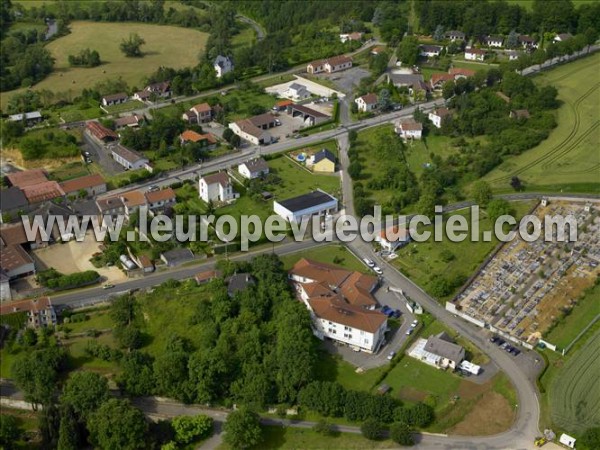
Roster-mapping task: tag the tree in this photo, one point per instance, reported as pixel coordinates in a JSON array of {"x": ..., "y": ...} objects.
[
  {"x": 132, "y": 47},
  {"x": 448, "y": 89},
  {"x": 401, "y": 434},
  {"x": 85, "y": 392},
  {"x": 122, "y": 311},
  {"x": 137, "y": 377},
  {"x": 190, "y": 428},
  {"x": 68, "y": 431},
  {"x": 129, "y": 337},
  {"x": 372, "y": 429},
  {"x": 117, "y": 424},
  {"x": 36, "y": 374},
  {"x": 512, "y": 41},
  {"x": 515, "y": 183},
  {"x": 421, "y": 415},
  {"x": 408, "y": 50},
  {"x": 383, "y": 100},
  {"x": 242, "y": 429},
  {"x": 498, "y": 207},
  {"x": 482, "y": 193},
  {"x": 9, "y": 431},
  {"x": 590, "y": 439},
  {"x": 438, "y": 34}
]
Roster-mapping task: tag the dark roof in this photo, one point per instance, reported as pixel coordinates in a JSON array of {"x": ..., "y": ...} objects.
[
  {"x": 405, "y": 79},
  {"x": 262, "y": 119},
  {"x": 12, "y": 198},
  {"x": 306, "y": 201},
  {"x": 256, "y": 165},
  {"x": 100, "y": 131},
  {"x": 118, "y": 96},
  {"x": 129, "y": 155},
  {"x": 309, "y": 111},
  {"x": 239, "y": 282},
  {"x": 443, "y": 346},
  {"x": 430, "y": 48},
  {"x": 177, "y": 256},
  {"x": 324, "y": 154}
]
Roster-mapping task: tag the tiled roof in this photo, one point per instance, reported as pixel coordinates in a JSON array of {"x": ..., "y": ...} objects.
[
  {"x": 32, "y": 305},
  {"x": 336, "y": 310},
  {"x": 27, "y": 177},
  {"x": 221, "y": 177},
  {"x": 133, "y": 198},
  {"x": 369, "y": 99},
  {"x": 159, "y": 196},
  {"x": 87, "y": 181},
  {"x": 40, "y": 192},
  {"x": 100, "y": 131}
]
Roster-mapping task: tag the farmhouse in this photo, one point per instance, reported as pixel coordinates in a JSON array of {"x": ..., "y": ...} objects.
[
  {"x": 438, "y": 351},
  {"x": 200, "y": 113},
  {"x": 41, "y": 192},
  {"x": 206, "y": 140},
  {"x": 316, "y": 203},
  {"x": 100, "y": 132},
  {"x": 356, "y": 36},
  {"x": 408, "y": 129},
  {"x": 455, "y": 35},
  {"x": 92, "y": 184},
  {"x": 429, "y": 51},
  {"x": 216, "y": 188},
  {"x": 254, "y": 168},
  {"x": 12, "y": 200},
  {"x": 494, "y": 41},
  {"x": 130, "y": 121},
  {"x": 30, "y": 118},
  {"x": 392, "y": 238},
  {"x": 322, "y": 161},
  {"x": 474, "y": 54},
  {"x": 129, "y": 159},
  {"x": 330, "y": 65},
  {"x": 341, "y": 303},
  {"x": 438, "y": 115},
  {"x": 114, "y": 99},
  {"x": 309, "y": 116},
  {"x": 222, "y": 65},
  {"x": 40, "y": 312},
  {"x": 297, "y": 91},
  {"x": 367, "y": 102}
]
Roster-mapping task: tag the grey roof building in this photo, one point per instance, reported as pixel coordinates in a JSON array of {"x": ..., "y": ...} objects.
[
  {"x": 12, "y": 199},
  {"x": 177, "y": 256},
  {"x": 239, "y": 282},
  {"x": 443, "y": 346}
]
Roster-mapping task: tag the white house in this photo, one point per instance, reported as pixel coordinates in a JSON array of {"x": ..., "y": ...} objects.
[
  {"x": 430, "y": 51},
  {"x": 512, "y": 55},
  {"x": 495, "y": 41},
  {"x": 567, "y": 440},
  {"x": 562, "y": 37},
  {"x": 367, "y": 102},
  {"x": 455, "y": 35},
  {"x": 330, "y": 65},
  {"x": 255, "y": 128},
  {"x": 316, "y": 203},
  {"x": 474, "y": 54},
  {"x": 216, "y": 188},
  {"x": 129, "y": 159},
  {"x": 356, "y": 36},
  {"x": 200, "y": 113},
  {"x": 297, "y": 91},
  {"x": 438, "y": 351},
  {"x": 161, "y": 199},
  {"x": 114, "y": 99},
  {"x": 254, "y": 168},
  {"x": 392, "y": 238},
  {"x": 438, "y": 115},
  {"x": 222, "y": 65},
  {"x": 408, "y": 129}
]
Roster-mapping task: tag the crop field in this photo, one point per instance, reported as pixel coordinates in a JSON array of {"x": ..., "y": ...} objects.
[
  {"x": 570, "y": 154},
  {"x": 181, "y": 49},
  {"x": 574, "y": 395}
]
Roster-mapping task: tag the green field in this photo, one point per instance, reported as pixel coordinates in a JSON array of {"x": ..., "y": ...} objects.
[
  {"x": 423, "y": 261},
  {"x": 574, "y": 395},
  {"x": 570, "y": 154},
  {"x": 329, "y": 254},
  {"x": 582, "y": 314},
  {"x": 528, "y": 4},
  {"x": 181, "y": 49}
]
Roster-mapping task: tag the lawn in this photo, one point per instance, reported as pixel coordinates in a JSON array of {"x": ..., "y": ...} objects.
[
  {"x": 78, "y": 359},
  {"x": 454, "y": 261},
  {"x": 570, "y": 152},
  {"x": 567, "y": 329},
  {"x": 69, "y": 171},
  {"x": 281, "y": 438},
  {"x": 96, "y": 320},
  {"x": 181, "y": 49},
  {"x": 330, "y": 254},
  {"x": 296, "y": 180},
  {"x": 124, "y": 107}
]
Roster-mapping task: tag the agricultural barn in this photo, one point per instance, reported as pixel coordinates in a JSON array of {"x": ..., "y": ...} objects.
[
  {"x": 309, "y": 116},
  {"x": 316, "y": 203}
]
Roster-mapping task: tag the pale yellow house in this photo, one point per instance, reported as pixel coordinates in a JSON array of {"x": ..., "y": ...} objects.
[{"x": 322, "y": 161}]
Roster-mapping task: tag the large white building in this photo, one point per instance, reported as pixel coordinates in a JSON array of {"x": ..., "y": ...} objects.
[
  {"x": 254, "y": 129},
  {"x": 341, "y": 304},
  {"x": 408, "y": 129},
  {"x": 316, "y": 203},
  {"x": 129, "y": 159},
  {"x": 216, "y": 188}
]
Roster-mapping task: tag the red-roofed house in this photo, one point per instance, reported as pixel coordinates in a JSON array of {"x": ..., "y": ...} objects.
[
  {"x": 408, "y": 129},
  {"x": 438, "y": 79},
  {"x": 100, "y": 132},
  {"x": 474, "y": 54},
  {"x": 367, "y": 102},
  {"x": 26, "y": 178},
  {"x": 438, "y": 115},
  {"x": 41, "y": 192},
  {"x": 93, "y": 184},
  {"x": 200, "y": 113},
  {"x": 161, "y": 199},
  {"x": 40, "y": 312},
  {"x": 458, "y": 72},
  {"x": 208, "y": 140}
]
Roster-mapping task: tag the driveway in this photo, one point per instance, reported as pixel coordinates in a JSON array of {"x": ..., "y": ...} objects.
[{"x": 100, "y": 155}]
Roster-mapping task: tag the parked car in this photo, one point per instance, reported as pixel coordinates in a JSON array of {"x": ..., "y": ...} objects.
[
  {"x": 368, "y": 262},
  {"x": 500, "y": 342},
  {"x": 277, "y": 122},
  {"x": 494, "y": 339},
  {"x": 396, "y": 313},
  {"x": 516, "y": 352},
  {"x": 153, "y": 188},
  {"x": 409, "y": 331},
  {"x": 509, "y": 348},
  {"x": 391, "y": 356},
  {"x": 387, "y": 311},
  {"x": 503, "y": 346},
  {"x": 414, "y": 323},
  {"x": 377, "y": 270}
]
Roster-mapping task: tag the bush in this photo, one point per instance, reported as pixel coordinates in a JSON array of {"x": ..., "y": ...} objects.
[
  {"x": 191, "y": 428},
  {"x": 55, "y": 280},
  {"x": 324, "y": 428},
  {"x": 401, "y": 434},
  {"x": 372, "y": 429}
]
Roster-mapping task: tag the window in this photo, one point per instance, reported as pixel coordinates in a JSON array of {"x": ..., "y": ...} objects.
[{"x": 366, "y": 341}]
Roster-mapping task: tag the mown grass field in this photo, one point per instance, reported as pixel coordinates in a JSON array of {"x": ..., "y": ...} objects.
[
  {"x": 423, "y": 261},
  {"x": 570, "y": 154},
  {"x": 329, "y": 254},
  {"x": 574, "y": 395},
  {"x": 181, "y": 49}
]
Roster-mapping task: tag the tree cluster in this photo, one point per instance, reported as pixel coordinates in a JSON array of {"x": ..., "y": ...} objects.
[
  {"x": 85, "y": 58},
  {"x": 55, "y": 280}
]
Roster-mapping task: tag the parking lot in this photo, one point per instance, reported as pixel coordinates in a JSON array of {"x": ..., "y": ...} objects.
[
  {"x": 346, "y": 80},
  {"x": 314, "y": 88}
]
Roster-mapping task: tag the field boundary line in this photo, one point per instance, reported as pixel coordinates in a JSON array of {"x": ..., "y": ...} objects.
[{"x": 581, "y": 333}]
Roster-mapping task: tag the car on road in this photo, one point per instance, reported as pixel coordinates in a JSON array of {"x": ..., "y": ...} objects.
[
  {"x": 108, "y": 286},
  {"x": 377, "y": 270},
  {"x": 368, "y": 262},
  {"x": 414, "y": 323},
  {"x": 86, "y": 153},
  {"x": 396, "y": 313},
  {"x": 391, "y": 355},
  {"x": 277, "y": 122}
]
